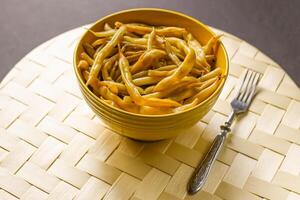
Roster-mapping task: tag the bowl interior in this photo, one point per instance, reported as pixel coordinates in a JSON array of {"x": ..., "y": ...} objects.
[{"x": 157, "y": 17}]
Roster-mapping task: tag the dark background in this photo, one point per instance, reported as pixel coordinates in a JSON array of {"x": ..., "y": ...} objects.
[{"x": 273, "y": 26}]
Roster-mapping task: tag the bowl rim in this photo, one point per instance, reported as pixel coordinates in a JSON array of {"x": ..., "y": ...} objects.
[{"x": 226, "y": 70}]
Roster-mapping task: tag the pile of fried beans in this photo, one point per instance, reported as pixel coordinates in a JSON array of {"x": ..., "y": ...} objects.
[{"x": 150, "y": 70}]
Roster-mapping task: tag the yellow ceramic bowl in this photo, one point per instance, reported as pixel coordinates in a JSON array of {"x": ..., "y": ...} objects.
[{"x": 151, "y": 127}]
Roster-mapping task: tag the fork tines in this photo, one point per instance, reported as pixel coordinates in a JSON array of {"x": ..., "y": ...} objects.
[{"x": 248, "y": 86}]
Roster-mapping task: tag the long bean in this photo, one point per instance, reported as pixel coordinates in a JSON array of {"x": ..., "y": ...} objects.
[{"x": 96, "y": 67}]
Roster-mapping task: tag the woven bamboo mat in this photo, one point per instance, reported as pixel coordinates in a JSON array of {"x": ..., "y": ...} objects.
[{"x": 52, "y": 146}]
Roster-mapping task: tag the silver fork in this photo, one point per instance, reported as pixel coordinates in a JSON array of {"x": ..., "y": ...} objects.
[{"x": 239, "y": 104}]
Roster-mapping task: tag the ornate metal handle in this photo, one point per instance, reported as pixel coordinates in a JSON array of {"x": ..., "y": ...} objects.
[{"x": 201, "y": 172}]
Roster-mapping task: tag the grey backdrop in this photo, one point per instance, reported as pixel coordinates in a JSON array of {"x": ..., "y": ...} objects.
[{"x": 271, "y": 25}]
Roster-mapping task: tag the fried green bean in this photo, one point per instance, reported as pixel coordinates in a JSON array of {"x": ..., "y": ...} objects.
[
  {"x": 172, "y": 55},
  {"x": 166, "y": 68},
  {"x": 113, "y": 87},
  {"x": 140, "y": 74},
  {"x": 107, "y": 94},
  {"x": 134, "y": 57},
  {"x": 172, "y": 90},
  {"x": 183, "y": 94},
  {"x": 103, "y": 34},
  {"x": 83, "y": 65},
  {"x": 149, "y": 89},
  {"x": 208, "y": 48},
  {"x": 127, "y": 99},
  {"x": 103, "y": 53},
  {"x": 179, "y": 53},
  {"x": 99, "y": 42},
  {"x": 199, "y": 51},
  {"x": 131, "y": 47},
  {"x": 117, "y": 87},
  {"x": 89, "y": 49},
  {"x": 180, "y": 72},
  {"x": 151, "y": 39},
  {"x": 98, "y": 50},
  {"x": 107, "y": 66},
  {"x": 112, "y": 72},
  {"x": 214, "y": 73},
  {"x": 141, "y": 90},
  {"x": 186, "y": 106},
  {"x": 117, "y": 72},
  {"x": 105, "y": 74},
  {"x": 130, "y": 53},
  {"x": 196, "y": 72},
  {"x": 149, "y": 110},
  {"x": 165, "y": 31},
  {"x": 208, "y": 82},
  {"x": 195, "y": 84},
  {"x": 133, "y": 91},
  {"x": 205, "y": 93},
  {"x": 85, "y": 75},
  {"x": 87, "y": 58},
  {"x": 140, "y": 41},
  {"x": 153, "y": 73},
  {"x": 112, "y": 103},
  {"x": 146, "y": 59},
  {"x": 146, "y": 80}
]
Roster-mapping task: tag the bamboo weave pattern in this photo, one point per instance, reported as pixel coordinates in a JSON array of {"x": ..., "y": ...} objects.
[{"x": 52, "y": 146}]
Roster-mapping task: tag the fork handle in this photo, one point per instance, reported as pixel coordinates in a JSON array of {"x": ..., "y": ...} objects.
[{"x": 201, "y": 172}]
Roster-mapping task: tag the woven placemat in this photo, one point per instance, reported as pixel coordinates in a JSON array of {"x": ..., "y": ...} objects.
[{"x": 52, "y": 146}]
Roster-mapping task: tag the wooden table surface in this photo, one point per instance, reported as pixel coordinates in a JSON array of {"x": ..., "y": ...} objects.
[{"x": 52, "y": 146}]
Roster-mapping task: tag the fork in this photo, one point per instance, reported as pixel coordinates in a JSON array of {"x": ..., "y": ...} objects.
[{"x": 239, "y": 104}]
